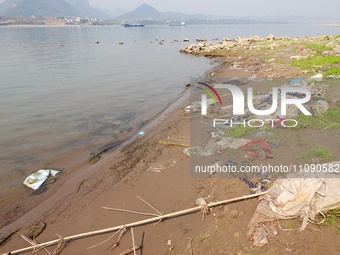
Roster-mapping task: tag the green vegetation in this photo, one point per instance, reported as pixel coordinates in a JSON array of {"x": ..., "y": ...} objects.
[
  {"x": 329, "y": 120},
  {"x": 200, "y": 239},
  {"x": 333, "y": 71},
  {"x": 319, "y": 48},
  {"x": 240, "y": 131},
  {"x": 290, "y": 225},
  {"x": 333, "y": 219},
  {"x": 316, "y": 62},
  {"x": 319, "y": 152}
]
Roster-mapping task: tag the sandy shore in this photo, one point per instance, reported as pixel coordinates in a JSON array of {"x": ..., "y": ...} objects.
[{"x": 119, "y": 177}]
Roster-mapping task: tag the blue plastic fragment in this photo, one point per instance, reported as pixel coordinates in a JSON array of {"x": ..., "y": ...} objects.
[
  {"x": 296, "y": 81},
  {"x": 230, "y": 163}
]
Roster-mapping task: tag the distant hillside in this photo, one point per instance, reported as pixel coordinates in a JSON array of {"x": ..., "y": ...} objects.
[
  {"x": 84, "y": 8},
  {"x": 49, "y": 8},
  {"x": 145, "y": 11},
  {"x": 114, "y": 13}
]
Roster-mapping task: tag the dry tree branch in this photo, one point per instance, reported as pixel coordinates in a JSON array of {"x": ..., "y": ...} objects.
[
  {"x": 133, "y": 242},
  {"x": 129, "y": 211},
  {"x": 106, "y": 239},
  {"x": 116, "y": 244},
  {"x": 60, "y": 246},
  {"x": 159, "y": 212}
]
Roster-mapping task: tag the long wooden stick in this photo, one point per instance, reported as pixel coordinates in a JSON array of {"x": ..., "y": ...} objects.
[
  {"x": 138, "y": 223},
  {"x": 175, "y": 144}
]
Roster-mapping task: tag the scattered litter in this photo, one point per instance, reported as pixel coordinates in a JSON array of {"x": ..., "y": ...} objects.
[
  {"x": 275, "y": 145},
  {"x": 190, "y": 108},
  {"x": 213, "y": 147},
  {"x": 317, "y": 77},
  {"x": 256, "y": 187},
  {"x": 320, "y": 107},
  {"x": 200, "y": 202},
  {"x": 35, "y": 180},
  {"x": 169, "y": 242},
  {"x": 160, "y": 166},
  {"x": 192, "y": 151},
  {"x": 290, "y": 51},
  {"x": 235, "y": 81},
  {"x": 259, "y": 149},
  {"x": 291, "y": 198},
  {"x": 231, "y": 163},
  {"x": 156, "y": 167},
  {"x": 297, "y": 57},
  {"x": 263, "y": 133},
  {"x": 141, "y": 133},
  {"x": 232, "y": 143}
]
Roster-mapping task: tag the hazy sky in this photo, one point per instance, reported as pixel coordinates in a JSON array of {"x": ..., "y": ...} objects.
[{"x": 237, "y": 8}]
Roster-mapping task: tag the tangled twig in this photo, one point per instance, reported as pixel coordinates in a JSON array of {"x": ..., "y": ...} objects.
[{"x": 122, "y": 228}]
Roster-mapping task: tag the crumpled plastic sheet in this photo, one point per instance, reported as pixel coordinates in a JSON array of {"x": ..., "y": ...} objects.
[
  {"x": 35, "y": 180},
  {"x": 301, "y": 198}
]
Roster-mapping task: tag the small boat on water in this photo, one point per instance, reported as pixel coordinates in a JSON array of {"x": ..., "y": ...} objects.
[{"x": 126, "y": 24}]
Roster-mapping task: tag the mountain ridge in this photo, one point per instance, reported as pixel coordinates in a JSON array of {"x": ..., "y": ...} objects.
[
  {"x": 146, "y": 11},
  {"x": 49, "y": 8}
]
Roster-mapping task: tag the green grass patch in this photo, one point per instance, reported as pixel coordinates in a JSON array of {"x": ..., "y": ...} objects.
[
  {"x": 316, "y": 62},
  {"x": 200, "y": 239},
  {"x": 318, "y": 47},
  {"x": 333, "y": 71},
  {"x": 240, "y": 131},
  {"x": 332, "y": 219},
  {"x": 319, "y": 152},
  {"x": 329, "y": 120}
]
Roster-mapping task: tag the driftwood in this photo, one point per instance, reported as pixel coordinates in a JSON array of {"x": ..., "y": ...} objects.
[
  {"x": 174, "y": 144},
  {"x": 134, "y": 224},
  {"x": 131, "y": 250}
]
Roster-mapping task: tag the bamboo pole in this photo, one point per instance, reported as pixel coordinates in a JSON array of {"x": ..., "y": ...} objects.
[{"x": 138, "y": 223}]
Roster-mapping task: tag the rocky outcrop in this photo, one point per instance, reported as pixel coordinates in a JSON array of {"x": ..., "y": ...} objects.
[{"x": 254, "y": 43}]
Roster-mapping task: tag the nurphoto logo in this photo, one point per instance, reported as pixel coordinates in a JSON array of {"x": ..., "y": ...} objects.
[{"x": 239, "y": 104}]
